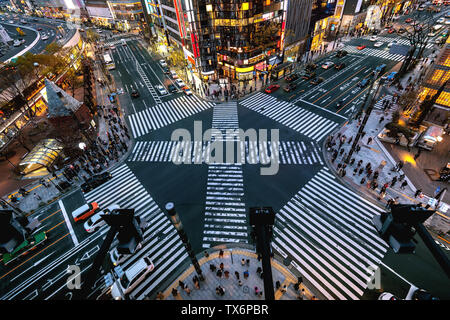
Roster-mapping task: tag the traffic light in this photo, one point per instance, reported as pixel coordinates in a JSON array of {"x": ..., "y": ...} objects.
[{"x": 397, "y": 227}]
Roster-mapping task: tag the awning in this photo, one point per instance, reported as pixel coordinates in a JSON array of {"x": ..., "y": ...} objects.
[{"x": 41, "y": 156}]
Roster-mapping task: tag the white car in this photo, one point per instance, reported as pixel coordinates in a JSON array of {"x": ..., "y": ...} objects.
[
  {"x": 447, "y": 21},
  {"x": 378, "y": 44},
  {"x": 118, "y": 258},
  {"x": 187, "y": 91},
  {"x": 373, "y": 38},
  {"x": 327, "y": 65},
  {"x": 17, "y": 43},
  {"x": 112, "y": 46},
  {"x": 441, "y": 20},
  {"x": 173, "y": 74},
  {"x": 95, "y": 222},
  {"x": 161, "y": 89},
  {"x": 44, "y": 38},
  {"x": 180, "y": 83},
  {"x": 11, "y": 21},
  {"x": 132, "y": 277},
  {"x": 387, "y": 296},
  {"x": 391, "y": 43},
  {"x": 162, "y": 63}
]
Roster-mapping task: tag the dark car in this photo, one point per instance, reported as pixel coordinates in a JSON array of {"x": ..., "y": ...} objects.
[
  {"x": 364, "y": 82},
  {"x": 311, "y": 66},
  {"x": 316, "y": 81},
  {"x": 172, "y": 88},
  {"x": 401, "y": 30},
  {"x": 339, "y": 66},
  {"x": 135, "y": 93},
  {"x": 308, "y": 75},
  {"x": 341, "y": 53},
  {"x": 290, "y": 87},
  {"x": 291, "y": 77},
  {"x": 95, "y": 181},
  {"x": 166, "y": 69}
]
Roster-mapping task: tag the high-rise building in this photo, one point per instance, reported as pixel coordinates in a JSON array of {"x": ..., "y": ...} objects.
[{"x": 127, "y": 14}]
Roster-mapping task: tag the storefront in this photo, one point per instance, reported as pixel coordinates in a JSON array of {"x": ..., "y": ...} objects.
[
  {"x": 282, "y": 70},
  {"x": 41, "y": 157}
]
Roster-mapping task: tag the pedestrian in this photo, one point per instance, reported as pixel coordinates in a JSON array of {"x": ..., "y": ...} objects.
[
  {"x": 399, "y": 165},
  {"x": 256, "y": 290},
  {"x": 283, "y": 290},
  {"x": 381, "y": 119},
  {"x": 403, "y": 185},
  {"x": 352, "y": 161},
  {"x": 219, "y": 273},
  {"x": 418, "y": 192},
  {"x": 358, "y": 148},
  {"x": 369, "y": 140},
  {"x": 259, "y": 257},
  {"x": 375, "y": 174},
  {"x": 181, "y": 284},
  {"x": 245, "y": 274},
  {"x": 243, "y": 262},
  {"x": 236, "y": 274},
  {"x": 206, "y": 254},
  {"x": 187, "y": 290},
  {"x": 37, "y": 197},
  {"x": 296, "y": 286},
  {"x": 221, "y": 253},
  {"x": 394, "y": 181},
  {"x": 361, "y": 170},
  {"x": 359, "y": 163},
  {"x": 248, "y": 262},
  {"x": 174, "y": 292},
  {"x": 160, "y": 296},
  {"x": 277, "y": 284},
  {"x": 240, "y": 283},
  {"x": 221, "y": 266},
  {"x": 258, "y": 270},
  {"x": 363, "y": 180}
]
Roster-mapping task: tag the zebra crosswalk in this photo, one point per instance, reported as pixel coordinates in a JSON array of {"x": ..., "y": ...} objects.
[
  {"x": 327, "y": 231},
  {"x": 379, "y": 103},
  {"x": 225, "y": 211},
  {"x": 290, "y": 152},
  {"x": 305, "y": 122},
  {"x": 161, "y": 241},
  {"x": 225, "y": 117},
  {"x": 384, "y": 54},
  {"x": 398, "y": 40},
  {"x": 166, "y": 113}
]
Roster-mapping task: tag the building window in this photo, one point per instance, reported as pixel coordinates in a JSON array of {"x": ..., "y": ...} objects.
[
  {"x": 209, "y": 7},
  {"x": 245, "y": 6}
]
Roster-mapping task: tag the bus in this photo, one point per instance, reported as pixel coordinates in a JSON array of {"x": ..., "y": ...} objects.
[{"x": 109, "y": 62}]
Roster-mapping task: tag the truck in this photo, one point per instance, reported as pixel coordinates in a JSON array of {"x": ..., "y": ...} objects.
[{"x": 29, "y": 244}]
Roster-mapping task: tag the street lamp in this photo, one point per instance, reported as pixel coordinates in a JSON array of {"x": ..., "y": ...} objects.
[{"x": 175, "y": 219}]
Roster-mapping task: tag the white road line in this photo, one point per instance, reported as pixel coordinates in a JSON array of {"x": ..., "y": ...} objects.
[
  {"x": 322, "y": 108},
  {"x": 69, "y": 225}
]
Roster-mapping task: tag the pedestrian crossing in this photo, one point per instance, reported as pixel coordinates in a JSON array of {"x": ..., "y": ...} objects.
[
  {"x": 384, "y": 54},
  {"x": 225, "y": 212},
  {"x": 148, "y": 83},
  {"x": 166, "y": 113},
  {"x": 225, "y": 118},
  {"x": 290, "y": 152},
  {"x": 398, "y": 40},
  {"x": 305, "y": 122},
  {"x": 327, "y": 231},
  {"x": 379, "y": 103},
  {"x": 161, "y": 241}
]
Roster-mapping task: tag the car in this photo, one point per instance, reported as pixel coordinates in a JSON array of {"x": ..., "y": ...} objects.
[
  {"x": 373, "y": 38},
  {"x": 391, "y": 30},
  {"x": 378, "y": 44},
  {"x": 134, "y": 93},
  {"x": 180, "y": 83},
  {"x": 311, "y": 66},
  {"x": 99, "y": 31},
  {"x": 380, "y": 68},
  {"x": 173, "y": 74},
  {"x": 96, "y": 221},
  {"x": 17, "y": 43},
  {"x": 431, "y": 34},
  {"x": 39, "y": 29},
  {"x": 23, "y": 22},
  {"x": 95, "y": 181},
  {"x": 339, "y": 66},
  {"x": 391, "y": 43},
  {"x": 447, "y": 15},
  {"x": 132, "y": 277},
  {"x": 85, "y": 211},
  {"x": 387, "y": 296},
  {"x": 308, "y": 75},
  {"x": 161, "y": 89},
  {"x": 422, "y": 7},
  {"x": 441, "y": 20},
  {"x": 364, "y": 82},
  {"x": 290, "y": 87},
  {"x": 327, "y": 65},
  {"x": 401, "y": 30},
  {"x": 272, "y": 88},
  {"x": 166, "y": 69},
  {"x": 341, "y": 53},
  {"x": 81, "y": 30},
  {"x": 316, "y": 81},
  {"x": 35, "y": 20},
  {"x": 124, "y": 43},
  {"x": 11, "y": 21},
  {"x": 409, "y": 20},
  {"x": 447, "y": 21},
  {"x": 162, "y": 63},
  {"x": 172, "y": 88},
  {"x": 187, "y": 91},
  {"x": 112, "y": 47},
  {"x": 361, "y": 47},
  {"x": 390, "y": 77},
  {"x": 388, "y": 26},
  {"x": 119, "y": 258},
  {"x": 44, "y": 38},
  {"x": 291, "y": 77}
]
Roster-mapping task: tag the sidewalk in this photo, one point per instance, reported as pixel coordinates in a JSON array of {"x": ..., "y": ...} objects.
[
  {"x": 375, "y": 153},
  {"x": 112, "y": 146},
  {"x": 233, "y": 291}
]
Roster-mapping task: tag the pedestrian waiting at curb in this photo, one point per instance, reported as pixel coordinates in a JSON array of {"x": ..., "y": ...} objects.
[
  {"x": 243, "y": 262},
  {"x": 221, "y": 253},
  {"x": 236, "y": 274},
  {"x": 277, "y": 285},
  {"x": 246, "y": 274}
]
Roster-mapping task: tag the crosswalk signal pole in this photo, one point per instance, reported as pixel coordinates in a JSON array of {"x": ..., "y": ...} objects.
[{"x": 175, "y": 219}]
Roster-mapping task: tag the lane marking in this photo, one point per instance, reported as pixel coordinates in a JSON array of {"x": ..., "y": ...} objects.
[
  {"x": 322, "y": 109},
  {"x": 69, "y": 225}
]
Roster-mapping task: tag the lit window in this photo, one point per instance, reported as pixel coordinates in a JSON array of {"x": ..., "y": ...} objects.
[
  {"x": 209, "y": 7},
  {"x": 245, "y": 6},
  {"x": 267, "y": 2}
]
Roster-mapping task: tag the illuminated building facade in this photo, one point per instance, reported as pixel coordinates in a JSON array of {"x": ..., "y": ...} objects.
[
  {"x": 99, "y": 13},
  {"x": 127, "y": 14},
  {"x": 321, "y": 14},
  {"x": 438, "y": 73}
]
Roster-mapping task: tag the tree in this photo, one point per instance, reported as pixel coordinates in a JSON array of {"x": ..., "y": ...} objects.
[
  {"x": 408, "y": 99},
  {"x": 426, "y": 106},
  {"x": 53, "y": 48},
  {"x": 92, "y": 36}
]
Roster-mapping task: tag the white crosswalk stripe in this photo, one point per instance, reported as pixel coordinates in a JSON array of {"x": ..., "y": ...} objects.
[
  {"x": 399, "y": 40},
  {"x": 225, "y": 212},
  {"x": 225, "y": 117},
  {"x": 384, "y": 54},
  {"x": 305, "y": 122},
  {"x": 327, "y": 230},
  {"x": 290, "y": 152},
  {"x": 161, "y": 241},
  {"x": 166, "y": 113},
  {"x": 379, "y": 103}
]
